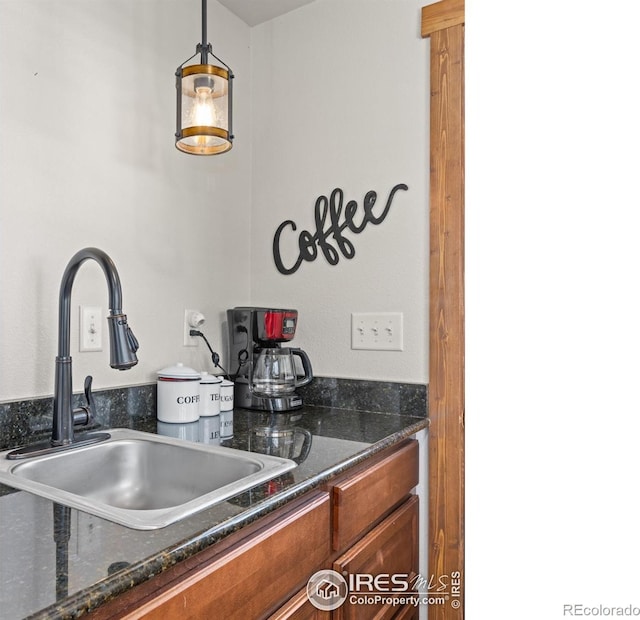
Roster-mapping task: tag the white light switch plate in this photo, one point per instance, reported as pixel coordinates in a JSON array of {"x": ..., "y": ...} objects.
[
  {"x": 90, "y": 328},
  {"x": 377, "y": 331}
]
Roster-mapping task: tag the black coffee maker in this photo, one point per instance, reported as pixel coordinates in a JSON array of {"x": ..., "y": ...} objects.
[{"x": 263, "y": 370}]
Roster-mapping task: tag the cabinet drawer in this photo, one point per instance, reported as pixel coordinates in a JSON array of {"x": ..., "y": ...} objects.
[
  {"x": 391, "y": 548},
  {"x": 408, "y": 612},
  {"x": 365, "y": 496},
  {"x": 300, "y": 608},
  {"x": 253, "y": 577}
]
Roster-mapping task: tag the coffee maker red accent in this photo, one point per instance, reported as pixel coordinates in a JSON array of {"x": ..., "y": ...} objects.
[{"x": 256, "y": 332}]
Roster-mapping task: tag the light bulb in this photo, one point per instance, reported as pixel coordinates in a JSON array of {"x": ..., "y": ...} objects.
[{"x": 204, "y": 112}]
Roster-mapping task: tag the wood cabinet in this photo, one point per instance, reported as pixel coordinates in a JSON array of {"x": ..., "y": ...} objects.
[
  {"x": 364, "y": 521},
  {"x": 374, "y": 530},
  {"x": 389, "y": 549},
  {"x": 241, "y": 578}
]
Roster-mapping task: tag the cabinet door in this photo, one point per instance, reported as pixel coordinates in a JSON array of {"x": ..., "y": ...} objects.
[
  {"x": 255, "y": 576},
  {"x": 391, "y": 548},
  {"x": 299, "y": 608},
  {"x": 366, "y": 495}
]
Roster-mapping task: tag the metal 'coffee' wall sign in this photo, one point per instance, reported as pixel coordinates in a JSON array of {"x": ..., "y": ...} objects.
[{"x": 331, "y": 222}]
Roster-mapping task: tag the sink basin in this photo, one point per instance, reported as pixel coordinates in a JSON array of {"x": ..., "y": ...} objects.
[{"x": 141, "y": 480}]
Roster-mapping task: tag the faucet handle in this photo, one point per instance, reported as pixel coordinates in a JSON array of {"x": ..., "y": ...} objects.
[
  {"x": 84, "y": 413},
  {"x": 88, "y": 380}
]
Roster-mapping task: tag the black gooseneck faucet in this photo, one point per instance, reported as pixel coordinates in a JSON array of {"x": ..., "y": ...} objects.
[
  {"x": 123, "y": 347},
  {"x": 123, "y": 344}
]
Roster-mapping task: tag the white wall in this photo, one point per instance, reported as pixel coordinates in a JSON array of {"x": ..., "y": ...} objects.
[
  {"x": 87, "y": 158},
  {"x": 331, "y": 95},
  {"x": 340, "y": 96}
]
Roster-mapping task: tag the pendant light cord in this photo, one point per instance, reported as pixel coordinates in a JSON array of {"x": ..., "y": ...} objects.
[
  {"x": 205, "y": 43},
  {"x": 205, "y": 48}
]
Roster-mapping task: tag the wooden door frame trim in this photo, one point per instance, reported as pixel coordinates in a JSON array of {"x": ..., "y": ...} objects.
[{"x": 443, "y": 22}]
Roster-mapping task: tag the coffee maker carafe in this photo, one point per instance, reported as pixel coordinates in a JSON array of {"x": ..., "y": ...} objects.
[{"x": 265, "y": 372}]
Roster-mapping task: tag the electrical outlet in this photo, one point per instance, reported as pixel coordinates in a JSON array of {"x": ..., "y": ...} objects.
[
  {"x": 90, "y": 328},
  {"x": 377, "y": 331},
  {"x": 189, "y": 341},
  {"x": 188, "y": 325}
]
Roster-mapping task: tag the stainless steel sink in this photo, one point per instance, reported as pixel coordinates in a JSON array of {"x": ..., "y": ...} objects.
[{"x": 141, "y": 480}]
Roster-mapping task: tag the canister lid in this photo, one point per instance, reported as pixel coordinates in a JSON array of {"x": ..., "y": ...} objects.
[
  {"x": 205, "y": 377},
  {"x": 179, "y": 372}
]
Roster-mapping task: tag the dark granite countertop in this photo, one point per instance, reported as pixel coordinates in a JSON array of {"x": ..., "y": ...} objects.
[{"x": 62, "y": 564}]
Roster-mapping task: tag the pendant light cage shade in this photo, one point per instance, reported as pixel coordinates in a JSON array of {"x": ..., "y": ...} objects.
[
  {"x": 204, "y": 96},
  {"x": 204, "y": 105}
]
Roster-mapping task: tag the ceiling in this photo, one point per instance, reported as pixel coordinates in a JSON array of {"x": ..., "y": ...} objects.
[{"x": 254, "y": 12}]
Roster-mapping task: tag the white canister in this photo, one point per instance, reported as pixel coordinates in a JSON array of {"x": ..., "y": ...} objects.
[
  {"x": 226, "y": 395},
  {"x": 226, "y": 409},
  {"x": 209, "y": 394},
  {"x": 178, "y": 394}
]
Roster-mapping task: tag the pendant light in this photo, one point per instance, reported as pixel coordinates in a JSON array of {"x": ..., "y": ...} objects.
[{"x": 204, "y": 102}]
